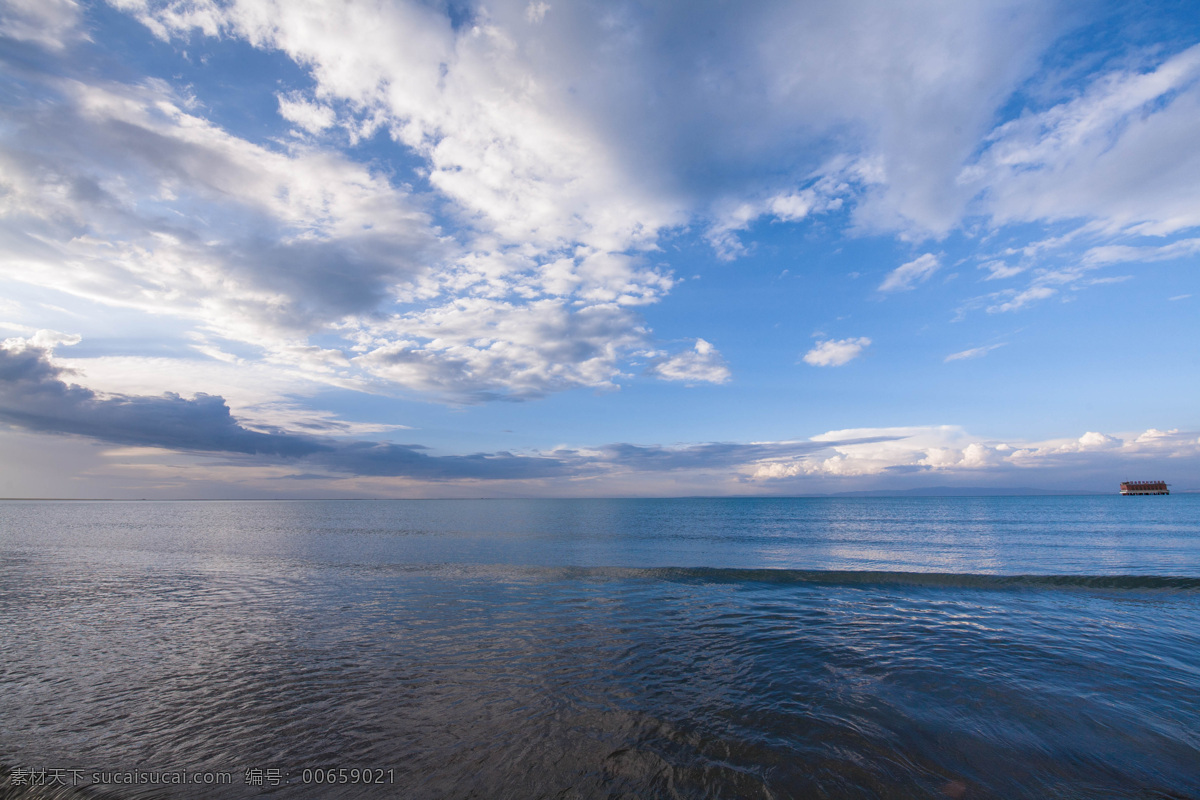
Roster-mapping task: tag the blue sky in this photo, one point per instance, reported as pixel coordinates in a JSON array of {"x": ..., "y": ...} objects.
[{"x": 396, "y": 249}]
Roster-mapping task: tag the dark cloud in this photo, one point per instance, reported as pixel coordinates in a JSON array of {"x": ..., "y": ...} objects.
[{"x": 34, "y": 396}]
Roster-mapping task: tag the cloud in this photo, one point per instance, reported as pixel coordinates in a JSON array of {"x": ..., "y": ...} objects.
[
  {"x": 117, "y": 193},
  {"x": 998, "y": 270},
  {"x": 906, "y": 276},
  {"x": 974, "y": 352},
  {"x": 45, "y": 339},
  {"x": 558, "y": 149},
  {"x": 1116, "y": 254},
  {"x": 949, "y": 450},
  {"x": 835, "y": 352},
  {"x": 1097, "y": 441},
  {"x": 702, "y": 364},
  {"x": 535, "y": 12},
  {"x": 1121, "y": 154},
  {"x": 33, "y": 396},
  {"x": 827, "y": 193},
  {"x": 578, "y": 125},
  {"x": 477, "y": 349},
  {"x": 36, "y": 396},
  {"x": 1017, "y": 300},
  {"x": 53, "y": 24},
  {"x": 312, "y": 117},
  {"x": 122, "y": 194}
]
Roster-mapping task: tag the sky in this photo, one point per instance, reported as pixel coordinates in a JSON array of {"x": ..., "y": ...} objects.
[{"x": 293, "y": 248}]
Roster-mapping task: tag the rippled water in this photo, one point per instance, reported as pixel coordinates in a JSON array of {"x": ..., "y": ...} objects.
[{"x": 931, "y": 647}]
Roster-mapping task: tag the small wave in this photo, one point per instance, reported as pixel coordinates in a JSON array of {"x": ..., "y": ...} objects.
[{"x": 1173, "y": 583}]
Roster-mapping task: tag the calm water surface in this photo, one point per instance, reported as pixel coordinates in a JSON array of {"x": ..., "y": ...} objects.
[{"x": 925, "y": 647}]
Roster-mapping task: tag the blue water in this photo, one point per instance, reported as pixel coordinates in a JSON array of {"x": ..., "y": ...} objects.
[{"x": 923, "y": 647}]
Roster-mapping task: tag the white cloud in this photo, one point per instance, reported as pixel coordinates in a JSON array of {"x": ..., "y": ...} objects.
[
  {"x": 906, "y": 276},
  {"x": 1098, "y": 441},
  {"x": 835, "y": 352},
  {"x": 535, "y": 12},
  {"x": 121, "y": 195},
  {"x": 48, "y": 339},
  {"x": 998, "y": 270},
  {"x": 948, "y": 449},
  {"x": 582, "y": 127},
  {"x": 974, "y": 352},
  {"x": 477, "y": 349},
  {"x": 118, "y": 194},
  {"x": 1122, "y": 154},
  {"x": 701, "y": 364},
  {"x": 1116, "y": 254},
  {"x": 943, "y": 447},
  {"x": 1018, "y": 300},
  {"x": 561, "y": 145},
  {"x": 827, "y": 193},
  {"x": 312, "y": 117},
  {"x": 53, "y": 24}
]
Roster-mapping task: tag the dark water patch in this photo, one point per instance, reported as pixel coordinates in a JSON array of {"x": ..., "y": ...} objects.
[{"x": 790, "y": 577}]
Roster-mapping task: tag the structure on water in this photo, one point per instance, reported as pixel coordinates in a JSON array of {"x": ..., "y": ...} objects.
[{"x": 1144, "y": 487}]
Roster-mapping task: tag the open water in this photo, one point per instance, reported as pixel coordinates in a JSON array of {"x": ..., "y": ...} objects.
[{"x": 1001, "y": 647}]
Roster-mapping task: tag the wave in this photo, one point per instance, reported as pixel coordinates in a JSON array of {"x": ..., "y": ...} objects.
[{"x": 954, "y": 580}]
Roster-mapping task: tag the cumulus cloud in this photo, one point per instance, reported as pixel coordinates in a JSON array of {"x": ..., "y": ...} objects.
[
  {"x": 949, "y": 450},
  {"x": 123, "y": 194},
  {"x": 906, "y": 276},
  {"x": 478, "y": 349},
  {"x": 836, "y": 352},
  {"x": 578, "y": 126},
  {"x": 557, "y": 147},
  {"x": 701, "y": 364}
]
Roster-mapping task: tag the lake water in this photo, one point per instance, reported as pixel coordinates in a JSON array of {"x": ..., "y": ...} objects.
[{"x": 923, "y": 647}]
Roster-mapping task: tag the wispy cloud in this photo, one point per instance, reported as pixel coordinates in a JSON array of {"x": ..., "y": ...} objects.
[
  {"x": 908, "y": 275},
  {"x": 1016, "y": 300},
  {"x": 1118, "y": 254},
  {"x": 1088, "y": 157},
  {"x": 974, "y": 352}
]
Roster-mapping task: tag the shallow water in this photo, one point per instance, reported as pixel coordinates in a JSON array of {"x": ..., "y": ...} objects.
[{"x": 925, "y": 647}]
